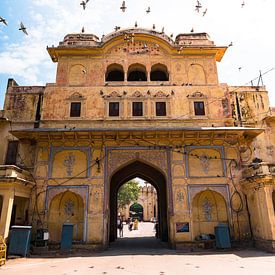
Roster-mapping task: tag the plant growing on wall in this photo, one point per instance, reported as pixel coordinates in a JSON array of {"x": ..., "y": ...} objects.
[{"x": 127, "y": 193}]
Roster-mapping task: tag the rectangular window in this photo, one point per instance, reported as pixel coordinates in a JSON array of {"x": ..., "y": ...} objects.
[
  {"x": 113, "y": 108},
  {"x": 12, "y": 152},
  {"x": 199, "y": 108},
  {"x": 75, "y": 109},
  {"x": 137, "y": 109},
  {"x": 160, "y": 109}
]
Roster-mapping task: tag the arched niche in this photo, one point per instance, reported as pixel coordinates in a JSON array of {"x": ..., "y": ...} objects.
[
  {"x": 196, "y": 75},
  {"x": 114, "y": 72},
  {"x": 159, "y": 72},
  {"x": 66, "y": 207},
  {"x": 137, "y": 72},
  {"x": 77, "y": 75},
  {"x": 208, "y": 210}
]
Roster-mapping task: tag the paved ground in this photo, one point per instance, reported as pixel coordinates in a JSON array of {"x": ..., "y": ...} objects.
[{"x": 136, "y": 255}]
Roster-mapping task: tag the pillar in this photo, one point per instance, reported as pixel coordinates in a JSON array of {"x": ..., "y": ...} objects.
[{"x": 6, "y": 214}]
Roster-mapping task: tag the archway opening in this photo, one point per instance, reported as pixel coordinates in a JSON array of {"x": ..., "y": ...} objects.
[
  {"x": 137, "y": 72},
  {"x": 159, "y": 72},
  {"x": 157, "y": 182},
  {"x": 114, "y": 72},
  {"x": 136, "y": 211}
]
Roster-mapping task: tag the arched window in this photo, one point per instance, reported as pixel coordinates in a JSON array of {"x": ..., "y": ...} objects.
[
  {"x": 114, "y": 73},
  {"x": 137, "y": 72},
  {"x": 159, "y": 73}
]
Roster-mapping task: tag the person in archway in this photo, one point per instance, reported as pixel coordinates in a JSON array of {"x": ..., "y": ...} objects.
[{"x": 120, "y": 226}]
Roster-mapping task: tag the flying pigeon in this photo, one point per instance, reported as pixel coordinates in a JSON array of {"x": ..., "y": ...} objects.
[
  {"x": 154, "y": 26},
  {"x": 204, "y": 12},
  {"x": 82, "y": 30},
  {"x": 148, "y": 10},
  {"x": 198, "y": 6},
  {"x": 23, "y": 28},
  {"x": 2, "y": 20},
  {"x": 83, "y": 4},
  {"x": 123, "y": 6}
]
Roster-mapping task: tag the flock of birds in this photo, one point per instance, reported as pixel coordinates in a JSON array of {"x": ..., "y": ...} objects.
[{"x": 83, "y": 3}]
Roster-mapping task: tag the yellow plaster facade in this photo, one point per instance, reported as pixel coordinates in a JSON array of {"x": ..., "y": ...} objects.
[{"x": 139, "y": 104}]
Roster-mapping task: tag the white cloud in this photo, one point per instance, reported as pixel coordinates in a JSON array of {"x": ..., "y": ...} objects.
[{"x": 50, "y": 20}]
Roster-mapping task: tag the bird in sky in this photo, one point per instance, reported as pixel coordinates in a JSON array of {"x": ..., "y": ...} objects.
[
  {"x": 243, "y": 4},
  {"x": 230, "y": 44},
  {"x": 82, "y": 30},
  {"x": 154, "y": 26},
  {"x": 162, "y": 30},
  {"x": 83, "y": 4},
  {"x": 171, "y": 35},
  {"x": 198, "y": 6},
  {"x": 204, "y": 12},
  {"x": 2, "y": 20},
  {"x": 123, "y": 6},
  {"x": 136, "y": 24},
  {"x": 239, "y": 69},
  {"x": 23, "y": 28},
  {"x": 148, "y": 10},
  {"x": 192, "y": 30},
  {"x": 117, "y": 28}
]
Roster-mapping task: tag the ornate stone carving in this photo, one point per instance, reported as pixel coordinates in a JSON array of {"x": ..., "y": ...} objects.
[
  {"x": 161, "y": 94},
  {"x": 117, "y": 158},
  {"x": 204, "y": 159},
  {"x": 69, "y": 207},
  {"x": 180, "y": 196},
  {"x": 207, "y": 209},
  {"x": 76, "y": 96},
  {"x": 196, "y": 95},
  {"x": 69, "y": 162},
  {"x": 137, "y": 94},
  {"x": 114, "y": 94}
]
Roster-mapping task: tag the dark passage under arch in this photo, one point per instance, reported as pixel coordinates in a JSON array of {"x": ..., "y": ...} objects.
[{"x": 149, "y": 174}]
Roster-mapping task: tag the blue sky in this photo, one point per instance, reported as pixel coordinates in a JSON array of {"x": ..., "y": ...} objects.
[{"x": 250, "y": 28}]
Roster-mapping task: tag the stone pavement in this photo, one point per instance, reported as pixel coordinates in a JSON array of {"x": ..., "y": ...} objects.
[{"x": 134, "y": 254}]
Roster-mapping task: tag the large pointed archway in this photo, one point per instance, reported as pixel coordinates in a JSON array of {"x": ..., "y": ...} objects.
[{"x": 149, "y": 174}]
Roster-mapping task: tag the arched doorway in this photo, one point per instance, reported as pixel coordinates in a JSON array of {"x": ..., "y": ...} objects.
[
  {"x": 136, "y": 211},
  {"x": 149, "y": 174},
  {"x": 66, "y": 207},
  {"x": 208, "y": 209}
]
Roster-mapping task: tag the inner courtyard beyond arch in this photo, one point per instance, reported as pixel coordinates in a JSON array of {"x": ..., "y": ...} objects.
[{"x": 147, "y": 173}]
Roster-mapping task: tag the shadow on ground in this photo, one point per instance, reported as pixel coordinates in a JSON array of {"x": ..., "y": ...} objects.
[{"x": 147, "y": 246}]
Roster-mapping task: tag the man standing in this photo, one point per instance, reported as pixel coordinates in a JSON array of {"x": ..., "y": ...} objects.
[{"x": 120, "y": 226}]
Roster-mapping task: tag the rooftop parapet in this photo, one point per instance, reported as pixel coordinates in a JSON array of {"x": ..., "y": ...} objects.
[
  {"x": 194, "y": 39},
  {"x": 80, "y": 39}
]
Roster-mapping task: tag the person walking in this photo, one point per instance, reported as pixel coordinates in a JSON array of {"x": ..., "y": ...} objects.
[{"x": 120, "y": 226}]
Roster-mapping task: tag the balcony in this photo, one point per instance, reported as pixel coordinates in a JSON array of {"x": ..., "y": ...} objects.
[{"x": 13, "y": 173}]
